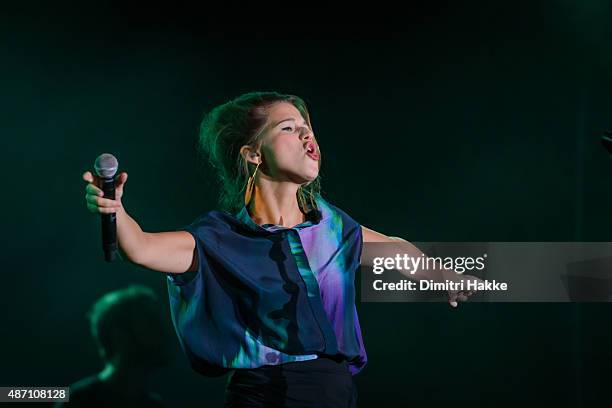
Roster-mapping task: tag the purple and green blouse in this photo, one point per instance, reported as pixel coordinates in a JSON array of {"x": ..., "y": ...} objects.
[{"x": 267, "y": 295}]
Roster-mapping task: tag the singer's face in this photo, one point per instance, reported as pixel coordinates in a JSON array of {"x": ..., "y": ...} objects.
[{"x": 289, "y": 149}]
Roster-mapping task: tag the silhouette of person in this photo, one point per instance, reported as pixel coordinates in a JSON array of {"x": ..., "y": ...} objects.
[{"x": 127, "y": 327}]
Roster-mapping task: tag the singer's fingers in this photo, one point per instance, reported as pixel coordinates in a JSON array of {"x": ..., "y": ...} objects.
[
  {"x": 92, "y": 208},
  {"x": 93, "y": 190},
  {"x": 90, "y": 178},
  {"x": 122, "y": 178},
  {"x": 452, "y": 299},
  {"x": 102, "y": 202},
  {"x": 101, "y": 210}
]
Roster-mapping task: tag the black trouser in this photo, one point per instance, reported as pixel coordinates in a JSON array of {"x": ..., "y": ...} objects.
[{"x": 322, "y": 383}]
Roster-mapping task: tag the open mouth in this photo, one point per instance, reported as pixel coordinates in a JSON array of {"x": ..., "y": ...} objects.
[{"x": 311, "y": 151}]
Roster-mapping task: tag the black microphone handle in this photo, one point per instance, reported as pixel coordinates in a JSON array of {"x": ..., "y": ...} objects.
[{"x": 109, "y": 223}]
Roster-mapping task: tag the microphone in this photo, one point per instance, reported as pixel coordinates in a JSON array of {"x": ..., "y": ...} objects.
[{"x": 106, "y": 166}]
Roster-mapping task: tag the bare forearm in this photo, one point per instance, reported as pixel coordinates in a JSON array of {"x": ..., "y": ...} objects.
[
  {"x": 419, "y": 269},
  {"x": 169, "y": 251},
  {"x": 130, "y": 237}
]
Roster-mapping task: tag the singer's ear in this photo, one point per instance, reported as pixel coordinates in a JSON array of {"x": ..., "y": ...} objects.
[{"x": 250, "y": 154}]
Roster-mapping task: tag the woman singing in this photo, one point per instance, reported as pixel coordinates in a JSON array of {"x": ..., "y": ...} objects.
[{"x": 265, "y": 288}]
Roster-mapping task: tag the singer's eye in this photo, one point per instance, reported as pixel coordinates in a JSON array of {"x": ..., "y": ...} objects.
[{"x": 288, "y": 129}]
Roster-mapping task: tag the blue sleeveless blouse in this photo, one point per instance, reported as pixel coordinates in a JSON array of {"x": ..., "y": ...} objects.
[{"x": 266, "y": 295}]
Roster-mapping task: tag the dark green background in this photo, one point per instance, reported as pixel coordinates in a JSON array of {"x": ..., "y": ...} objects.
[{"x": 473, "y": 121}]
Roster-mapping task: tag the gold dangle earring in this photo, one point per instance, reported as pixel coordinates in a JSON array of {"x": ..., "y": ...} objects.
[
  {"x": 301, "y": 201},
  {"x": 250, "y": 187}
]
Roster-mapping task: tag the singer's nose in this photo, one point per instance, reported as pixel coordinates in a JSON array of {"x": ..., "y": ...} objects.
[{"x": 305, "y": 133}]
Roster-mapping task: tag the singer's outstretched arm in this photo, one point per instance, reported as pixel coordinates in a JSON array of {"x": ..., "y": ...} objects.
[
  {"x": 171, "y": 252},
  {"x": 398, "y": 245}
]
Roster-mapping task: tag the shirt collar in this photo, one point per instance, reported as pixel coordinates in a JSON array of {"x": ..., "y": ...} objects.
[{"x": 313, "y": 217}]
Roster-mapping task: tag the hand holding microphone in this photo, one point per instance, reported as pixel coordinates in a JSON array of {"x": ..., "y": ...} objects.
[{"x": 103, "y": 196}]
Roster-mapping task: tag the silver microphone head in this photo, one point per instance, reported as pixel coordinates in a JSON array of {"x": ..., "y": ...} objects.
[{"x": 106, "y": 165}]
